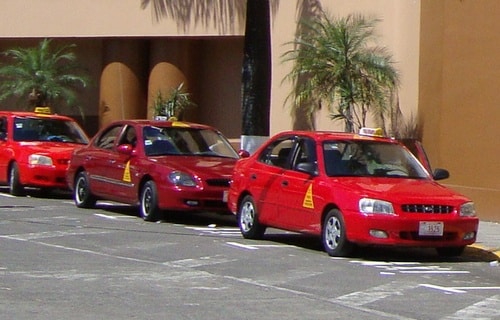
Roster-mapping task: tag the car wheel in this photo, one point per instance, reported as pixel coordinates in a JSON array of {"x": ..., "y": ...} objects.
[
  {"x": 248, "y": 220},
  {"x": 334, "y": 236},
  {"x": 81, "y": 192},
  {"x": 15, "y": 187},
  {"x": 450, "y": 251},
  {"x": 148, "y": 207}
]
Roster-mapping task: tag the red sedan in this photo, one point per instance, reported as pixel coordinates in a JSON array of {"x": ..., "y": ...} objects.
[
  {"x": 35, "y": 149},
  {"x": 349, "y": 189},
  {"x": 160, "y": 165}
]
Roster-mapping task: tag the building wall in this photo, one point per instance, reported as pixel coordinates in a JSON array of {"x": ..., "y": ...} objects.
[
  {"x": 459, "y": 96},
  {"x": 445, "y": 51}
]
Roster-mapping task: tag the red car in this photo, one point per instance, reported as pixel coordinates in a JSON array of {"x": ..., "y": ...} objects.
[
  {"x": 350, "y": 189},
  {"x": 35, "y": 148},
  {"x": 160, "y": 165}
]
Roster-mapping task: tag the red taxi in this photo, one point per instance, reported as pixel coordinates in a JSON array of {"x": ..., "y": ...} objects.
[
  {"x": 35, "y": 148},
  {"x": 159, "y": 165},
  {"x": 349, "y": 189}
]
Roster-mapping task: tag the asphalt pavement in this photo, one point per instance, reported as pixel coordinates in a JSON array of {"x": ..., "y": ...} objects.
[{"x": 488, "y": 239}]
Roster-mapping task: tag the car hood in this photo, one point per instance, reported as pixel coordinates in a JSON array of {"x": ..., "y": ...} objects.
[
  {"x": 200, "y": 166},
  {"x": 399, "y": 190}
]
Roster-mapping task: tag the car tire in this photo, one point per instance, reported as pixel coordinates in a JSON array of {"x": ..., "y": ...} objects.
[
  {"x": 148, "y": 202},
  {"x": 334, "y": 236},
  {"x": 15, "y": 187},
  {"x": 248, "y": 219},
  {"x": 81, "y": 192},
  {"x": 450, "y": 251}
]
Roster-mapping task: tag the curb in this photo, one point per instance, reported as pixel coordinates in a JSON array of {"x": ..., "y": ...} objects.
[{"x": 495, "y": 252}]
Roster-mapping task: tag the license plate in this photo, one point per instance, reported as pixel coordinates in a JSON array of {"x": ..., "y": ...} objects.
[
  {"x": 224, "y": 196},
  {"x": 427, "y": 228}
]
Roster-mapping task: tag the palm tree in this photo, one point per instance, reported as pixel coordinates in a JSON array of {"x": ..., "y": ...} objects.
[
  {"x": 42, "y": 76},
  {"x": 341, "y": 70}
]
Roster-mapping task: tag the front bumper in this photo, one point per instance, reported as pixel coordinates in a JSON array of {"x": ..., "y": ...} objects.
[
  {"x": 43, "y": 176},
  {"x": 404, "y": 230},
  {"x": 193, "y": 199}
]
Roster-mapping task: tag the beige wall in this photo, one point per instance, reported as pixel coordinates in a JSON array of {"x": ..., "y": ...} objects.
[
  {"x": 446, "y": 52},
  {"x": 100, "y": 18},
  {"x": 398, "y": 30},
  {"x": 459, "y": 96}
]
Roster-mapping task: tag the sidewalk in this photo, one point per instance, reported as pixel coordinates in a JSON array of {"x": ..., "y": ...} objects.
[{"x": 488, "y": 238}]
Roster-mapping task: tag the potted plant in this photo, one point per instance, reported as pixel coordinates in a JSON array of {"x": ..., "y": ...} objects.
[{"x": 174, "y": 105}]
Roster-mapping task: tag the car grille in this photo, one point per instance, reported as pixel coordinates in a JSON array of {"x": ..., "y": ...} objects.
[
  {"x": 410, "y": 235},
  {"x": 427, "y": 208},
  {"x": 218, "y": 182}
]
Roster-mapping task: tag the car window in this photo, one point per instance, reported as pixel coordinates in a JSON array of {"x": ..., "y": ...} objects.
[
  {"x": 306, "y": 152},
  {"x": 47, "y": 129},
  {"x": 108, "y": 138},
  {"x": 370, "y": 158},
  {"x": 3, "y": 128},
  {"x": 278, "y": 154},
  {"x": 129, "y": 136},
  {"x": 186, "y": 141}
]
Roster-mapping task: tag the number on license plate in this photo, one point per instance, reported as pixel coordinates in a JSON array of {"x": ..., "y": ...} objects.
[
  {"x": 224, "y": 196},
  {"x": 428, "y": 228}
]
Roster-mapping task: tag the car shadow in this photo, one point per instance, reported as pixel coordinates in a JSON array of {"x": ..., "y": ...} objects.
[{"x": 384, "y": 253}]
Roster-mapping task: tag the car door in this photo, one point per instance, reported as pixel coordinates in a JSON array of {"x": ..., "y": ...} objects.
[
  {"x": 101, "y": 162},
  {"x": 123, "y": 167},
  {"x": 298, "y": 210},
  {"x": 265, "y": 179},
  {"x": 5, "y": 153}
]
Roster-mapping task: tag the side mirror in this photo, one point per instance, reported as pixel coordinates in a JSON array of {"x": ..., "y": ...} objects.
[
  {"x": 243, "y": 154},
  {"x": 440, "y": 174},
  {"x": 126, "y": 149},
  {"x": 307, "y": 167}
]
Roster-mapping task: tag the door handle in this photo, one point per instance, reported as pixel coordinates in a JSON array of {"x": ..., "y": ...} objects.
[
  {"x": 253, "y": 176},
  {"x": 284, "y": 183}
]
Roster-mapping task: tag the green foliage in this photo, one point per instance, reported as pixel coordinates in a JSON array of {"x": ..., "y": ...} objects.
[
  {"x": 174, "y": 105},
  {"x": 335, "y": 65},
  {"x": 42, "y": 76}
]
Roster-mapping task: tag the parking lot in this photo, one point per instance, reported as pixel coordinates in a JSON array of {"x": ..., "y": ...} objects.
[{"x": 61, "y": 262}]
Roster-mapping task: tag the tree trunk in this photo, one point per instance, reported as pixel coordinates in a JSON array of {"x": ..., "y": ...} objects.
[{"x": 256, "y": 75}]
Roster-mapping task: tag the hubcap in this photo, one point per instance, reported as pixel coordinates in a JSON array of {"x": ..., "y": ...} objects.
[
  {"x": 247, "y": 216},
  {"x": 332, "y": 233}
]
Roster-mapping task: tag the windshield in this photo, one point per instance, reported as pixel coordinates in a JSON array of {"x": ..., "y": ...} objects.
[
  {"x": 370, "y": 158},
  {"x": 186, "y": 141},
  {"x": 48, "y": 129}
]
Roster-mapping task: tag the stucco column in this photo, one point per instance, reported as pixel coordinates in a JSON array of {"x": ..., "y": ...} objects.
[{"x": 123, "y": 81}]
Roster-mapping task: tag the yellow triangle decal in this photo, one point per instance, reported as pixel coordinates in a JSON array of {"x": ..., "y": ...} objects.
[
  {"x": 126, "y": 173},
  {"x": 308, "y": 199}
]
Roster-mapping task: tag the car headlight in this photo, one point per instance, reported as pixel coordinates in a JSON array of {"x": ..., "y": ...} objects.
[
  {"x": 467, "y": 210},
  {"x": 179, "y": 178},
  {"x": 370, "y": 206},
  {"x": 40, "y": 160}
]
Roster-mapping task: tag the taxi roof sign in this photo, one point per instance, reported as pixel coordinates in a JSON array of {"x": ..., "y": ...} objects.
[
  {"x": 43, "y": 110},
  {"x": 374, "y": 132}
]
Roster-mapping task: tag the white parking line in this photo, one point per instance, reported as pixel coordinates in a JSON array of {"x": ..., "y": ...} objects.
[
  {"x": 457, "y": 289},
  {"x": 258, "y": 246}
]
